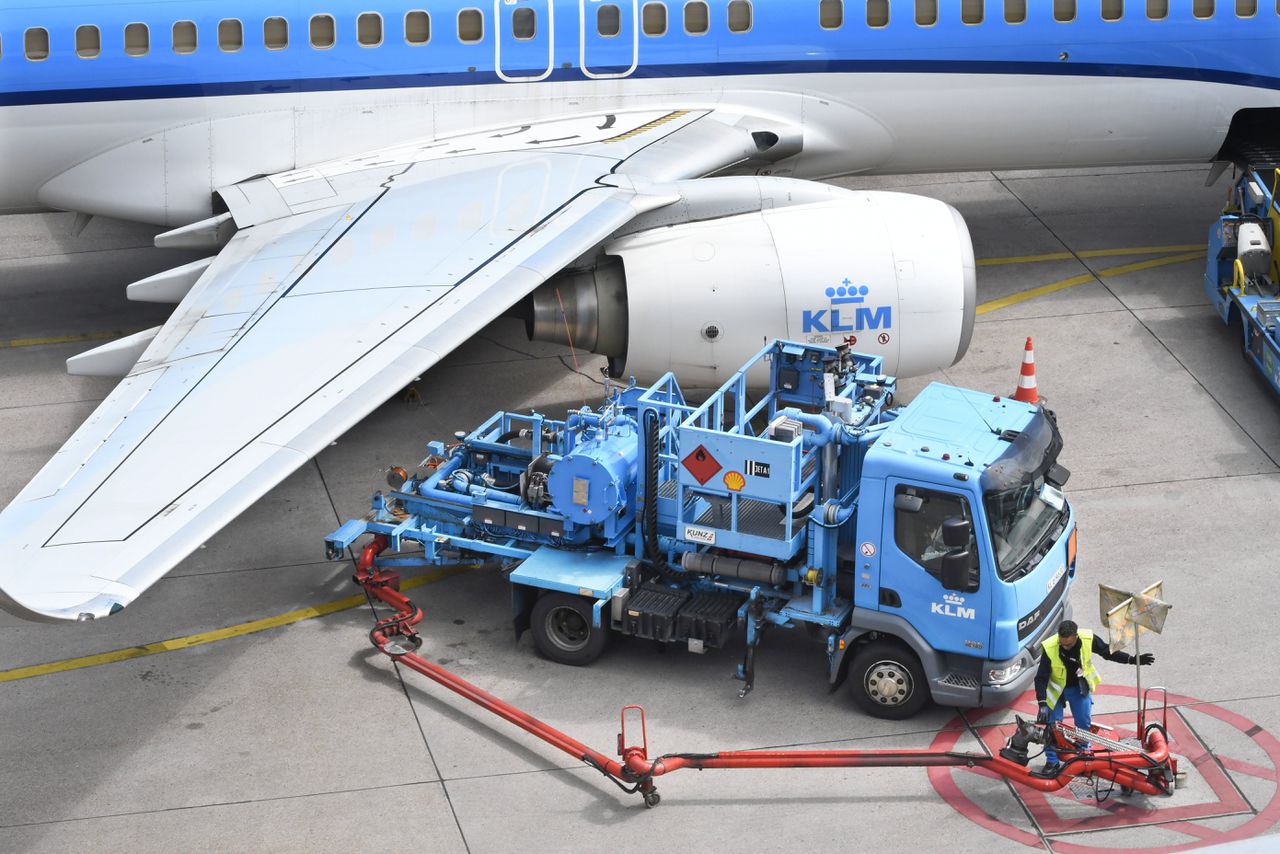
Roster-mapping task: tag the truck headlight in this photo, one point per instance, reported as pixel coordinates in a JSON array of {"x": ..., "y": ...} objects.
[{"x": 1001, "y": 675}]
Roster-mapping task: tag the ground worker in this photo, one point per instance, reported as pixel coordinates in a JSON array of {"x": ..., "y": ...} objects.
[{"x": 1067, "y": 675}]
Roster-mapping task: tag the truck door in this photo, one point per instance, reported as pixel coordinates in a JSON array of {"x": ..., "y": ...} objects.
[
  {"x": 610, "y": 37},
  {"x": 911, "y": 569}
]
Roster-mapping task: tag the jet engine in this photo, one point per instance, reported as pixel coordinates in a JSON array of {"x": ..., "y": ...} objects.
[{"x": 699, "y": 286}]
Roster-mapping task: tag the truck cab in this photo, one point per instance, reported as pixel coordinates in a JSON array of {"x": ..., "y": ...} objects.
[{"x": 965, "y": 549}]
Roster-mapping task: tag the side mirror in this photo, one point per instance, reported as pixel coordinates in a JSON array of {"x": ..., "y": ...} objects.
[
  {"x": 907, "y": 503},
  {"x": 956, "y": 532},
  {"x": 955, "y": 570},
  {"x": 1057, "y": 475}
]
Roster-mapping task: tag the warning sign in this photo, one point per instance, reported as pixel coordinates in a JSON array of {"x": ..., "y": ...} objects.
[{"x": 701, "y": 464}]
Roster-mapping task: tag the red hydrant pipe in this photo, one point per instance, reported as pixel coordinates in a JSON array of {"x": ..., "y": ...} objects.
[{"x": 1132, "y": 770}]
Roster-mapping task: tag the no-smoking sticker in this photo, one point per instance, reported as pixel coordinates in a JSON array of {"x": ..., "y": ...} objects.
[
  {"x": 883, "y": 337},
  {"x": 868, "y": 549}
]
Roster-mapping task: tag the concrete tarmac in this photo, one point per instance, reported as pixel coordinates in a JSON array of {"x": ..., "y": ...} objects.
[{"x": 302, "y": 738}]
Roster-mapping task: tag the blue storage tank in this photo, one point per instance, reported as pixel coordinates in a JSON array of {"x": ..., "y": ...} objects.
[{"x": 591, "y": 483}]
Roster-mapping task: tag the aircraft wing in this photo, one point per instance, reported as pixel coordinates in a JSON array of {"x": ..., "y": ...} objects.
[{"x": 341, "y": 285}]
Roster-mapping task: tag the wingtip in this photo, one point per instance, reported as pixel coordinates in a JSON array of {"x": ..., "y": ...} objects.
[{"x": 78, "y": 607}]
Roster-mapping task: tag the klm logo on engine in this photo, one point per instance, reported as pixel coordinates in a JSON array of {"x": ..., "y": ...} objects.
[
  {"x": 953, "y": 606},
  {"x": 846, "y": 312}
]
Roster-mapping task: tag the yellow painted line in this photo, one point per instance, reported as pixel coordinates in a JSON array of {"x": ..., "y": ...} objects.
[
  {"x": 63, "y": 339},
  {"x": 1089, "y": 253},
  {"x": 216, "y": 635},
  {"x": 1085, "y": 278}
]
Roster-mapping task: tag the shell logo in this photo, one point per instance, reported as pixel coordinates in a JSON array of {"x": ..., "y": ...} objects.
[{"x": 734, "y": 481}]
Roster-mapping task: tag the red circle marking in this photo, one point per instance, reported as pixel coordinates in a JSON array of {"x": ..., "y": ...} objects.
[
  {"x": 944, "y": 783},
  {"x": 883, "y": 338}
]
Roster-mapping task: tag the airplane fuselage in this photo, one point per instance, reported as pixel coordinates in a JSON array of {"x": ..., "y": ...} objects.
[{"x": 141, "y": 110}]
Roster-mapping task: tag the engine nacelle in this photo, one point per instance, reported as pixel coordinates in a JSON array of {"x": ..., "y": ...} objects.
[{"x": 763, "y": 258}]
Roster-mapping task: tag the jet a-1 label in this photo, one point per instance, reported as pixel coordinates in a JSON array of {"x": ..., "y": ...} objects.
[
  {"x": 756, "y": 469},
  {"x": 953, "y": 606},
  {"x": 845, "y": 313}
]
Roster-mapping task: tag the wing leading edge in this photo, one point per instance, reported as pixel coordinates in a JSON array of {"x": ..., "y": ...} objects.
[{"x": 343, "y": 284}]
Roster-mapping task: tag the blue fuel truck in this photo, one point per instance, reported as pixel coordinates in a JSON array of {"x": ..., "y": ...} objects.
[{"x": 928, "y": 548}]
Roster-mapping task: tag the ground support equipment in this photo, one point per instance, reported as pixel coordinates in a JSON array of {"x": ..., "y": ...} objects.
[{"x": 1148, "y": 769}]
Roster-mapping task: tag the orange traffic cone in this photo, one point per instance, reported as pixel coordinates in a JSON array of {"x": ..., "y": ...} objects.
[{"x": 1026, "y": 391}]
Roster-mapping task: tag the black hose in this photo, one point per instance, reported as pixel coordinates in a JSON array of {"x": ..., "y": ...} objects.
[{"x": 652, "y": 469}]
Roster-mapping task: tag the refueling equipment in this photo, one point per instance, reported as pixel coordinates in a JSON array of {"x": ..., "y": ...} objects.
[{"x": 928, "y": 548}]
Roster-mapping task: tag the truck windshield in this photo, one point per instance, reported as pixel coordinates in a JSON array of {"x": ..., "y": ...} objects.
[
  {"x": 1023, "y": 520},
  {"x": 1025, "y": 513}
]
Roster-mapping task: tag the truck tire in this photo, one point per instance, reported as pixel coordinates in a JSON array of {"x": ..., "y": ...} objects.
[
  {"x": 888, "y": 681},
  {"x": 562, "y": 629}
]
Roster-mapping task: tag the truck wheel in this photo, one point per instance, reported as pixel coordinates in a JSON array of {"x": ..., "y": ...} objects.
[
  {"x": 563, "y": 632},
  {"x": 888, "y": 681}
]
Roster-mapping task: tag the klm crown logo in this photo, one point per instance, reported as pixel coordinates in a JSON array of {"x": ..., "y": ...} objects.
[
  {"x": 952, "y": 599},
  {"x": 847, "y": 298}
]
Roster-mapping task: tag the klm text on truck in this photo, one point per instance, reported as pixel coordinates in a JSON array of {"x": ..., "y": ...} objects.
[{"x": 928, "y": 548}]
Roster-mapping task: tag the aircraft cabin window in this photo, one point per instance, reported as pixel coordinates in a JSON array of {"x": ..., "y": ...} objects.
[
  {"x": 926, "y": 12},
  {"x": 697, "y": 18},
  {"x": 323, "y": 32},
  {"x": 1064, "y": 11},
  {"x": 831, "y": 14},
  {"x": 653, "y": 19},
  {"x": 1015, "y": 11},
  {"x": 230, "y": 35},
  {"x": 88, "y": 42},
  {"x": 35, "y": 43},
  {"x": 972, "y": 11},
  {"x": 739, "y": 16},
  {"x": 877, "y": 13},
  {"x": 275, "y": 33},
  {"x": 1202, "y": 9},
  {"x": 369, "y": 29},
  {"x": 1248, "y": 8},
  {"x": 1157, "y": 10},
  {"x": 417, "y": 27},
  {"x": 137, "y": 40},
  {"x": 1112, "y": 10},
  {"x": 470, "y": 26},
  {"x": 608, "y": 20},
  {"x": 184, "y": 37},
  {"x": 524, "y": 23}
]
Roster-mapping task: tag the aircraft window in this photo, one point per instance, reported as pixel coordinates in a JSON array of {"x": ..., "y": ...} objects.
[
  {"x": 877, "y": 13},
  {"x": 88, "y": 42},
  {"x": 524, "y": 23},
  {"x": 696, "y": 18},
  {"x": 831, "y": 14},
  {"x": 230, "y": 35},
  {"x": 417, "y": 27},
  {"x": 608, "y": 20},
  {"x": 1157, "y": 10},
  {"x": 1248, "y": 8},
  {"x": 369, "y": 29},
  {"x": 36, "y": 44},
  {"x": 1015, "y": 11},
  {"x": 739, "y": 16},
  {"x": 184, "y": 37},
  {"x": 972, "y": 11},
  {"x": 137, "y": 40},
  {"x": 1112, "y": 10},
  {"x": 324, "y": 32},
  {"x": 654, "y": 19},
  {"x": 926, "y": 12},
  {"x": 1064, "y": 10},
  {"x": 1202, "y": 9},
  {"x": 470, "y": 26},
  {"x": 275, "y": 33}
]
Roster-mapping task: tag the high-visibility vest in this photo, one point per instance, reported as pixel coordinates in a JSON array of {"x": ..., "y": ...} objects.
[{"x": 1058, "y": 670}]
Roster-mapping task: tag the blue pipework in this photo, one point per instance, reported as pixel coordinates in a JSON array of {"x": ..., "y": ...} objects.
[{"x": 783, "y": 38}]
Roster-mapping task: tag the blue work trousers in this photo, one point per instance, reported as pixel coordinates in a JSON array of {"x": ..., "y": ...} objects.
[{"x": 1081, "y": 714}]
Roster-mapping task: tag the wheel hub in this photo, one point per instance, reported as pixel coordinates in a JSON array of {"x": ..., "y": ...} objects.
[{"x": 888, "y": 683}]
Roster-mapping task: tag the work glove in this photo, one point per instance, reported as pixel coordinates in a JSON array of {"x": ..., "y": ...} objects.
[
  {"x": 1146, "y": 658},
  {"x": 1042, "y": 716}
]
